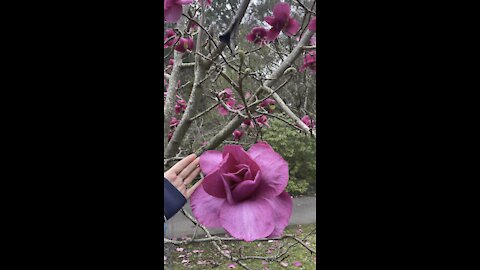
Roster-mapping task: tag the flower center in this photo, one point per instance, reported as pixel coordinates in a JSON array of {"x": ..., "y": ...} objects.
[{"x": 240, "y": 183}]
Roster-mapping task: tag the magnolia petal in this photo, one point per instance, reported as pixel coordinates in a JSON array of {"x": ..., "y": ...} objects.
[
  {"x": 222, "y": 110},
  {"x": 251, "y": 37},
  {"x": 246, "y": 188},
  {"x": 283, "y": 206},
  {"x": 210, "y": 160},
  {"x": 241, "y": 156},
  {"x": 167, "y": 4},
  {"x": 270, "y": 20},
  {"x": 292, "y": 27},
  {"x": 257, "y": 36},
  {"x": 238, "y": 176},
  {"x": 213, "y": 183},
  {"x": 173, "y": 14},
  {"x": 281, "y": 10},
  {"x": 248, "y": 220},
  {"x": 181, "y": 45},
  {"x": 206, "y": 208},
  {"x": 170, "y": 32},
  {"x": 191, "y": 44},
  {"x": 272, "y": 34},
  {"x": 273, "y": 167}
]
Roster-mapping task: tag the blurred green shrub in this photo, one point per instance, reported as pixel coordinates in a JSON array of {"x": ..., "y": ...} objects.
[{"x": 300, "y": 151}]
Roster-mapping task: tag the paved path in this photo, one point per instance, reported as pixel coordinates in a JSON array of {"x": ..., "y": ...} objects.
[{"x": 304, "y": 212}]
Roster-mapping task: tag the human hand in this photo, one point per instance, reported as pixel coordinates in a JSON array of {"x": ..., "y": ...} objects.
[{"x": 183, "y": 173}]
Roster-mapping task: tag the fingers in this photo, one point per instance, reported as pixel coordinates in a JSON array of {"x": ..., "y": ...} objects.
[
  {"x": 169, "y": 175},
  {"x": 192, "y": 176},
  {"x": 192, "y": 189},
  {"x": 183, "y": 173},
  {"x": 182, "y": 164},
  {"x": 189, "y": 169}
]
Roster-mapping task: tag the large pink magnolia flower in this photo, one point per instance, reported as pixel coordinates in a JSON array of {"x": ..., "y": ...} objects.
[
  {"x": 173, "y": 9},
  {"x": 244, "y": 192},
  {"x": 281, "y": 21}
]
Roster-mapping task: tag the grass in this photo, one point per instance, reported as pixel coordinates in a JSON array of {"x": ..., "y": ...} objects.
[{"x": 205, "y": 255}]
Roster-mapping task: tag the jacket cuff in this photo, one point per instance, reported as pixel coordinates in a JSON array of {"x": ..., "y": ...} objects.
[{"x": 172, "y": 198}]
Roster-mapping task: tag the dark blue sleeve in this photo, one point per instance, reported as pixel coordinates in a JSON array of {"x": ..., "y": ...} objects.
[{"x": 173, "y": 199}]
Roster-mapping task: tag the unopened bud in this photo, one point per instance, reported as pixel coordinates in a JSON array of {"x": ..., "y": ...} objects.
[{"x": 241, "y": 54}]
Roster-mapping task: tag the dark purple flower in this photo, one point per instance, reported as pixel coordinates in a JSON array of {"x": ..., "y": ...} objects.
[
  {"x": 226, "y": 93},
  {"x": 258, "y": 35},
  {"x": 237, "y": 134},
  {"x": 281, "y": 21},
  {"x": 247, "y": 123},
  {"x": 169, "y": 33},
  {"x": 268, "y": 104},
  {"x": 244, "y": 192},
  {"x": 180, "y": 106},
  {"x": 310, "y": 62},
  {"x": 174, "y": 122},
  {"x": 173, "y": 9},
  {"x": 262, "y": 121},
  {"x": 184, "y": 44}
]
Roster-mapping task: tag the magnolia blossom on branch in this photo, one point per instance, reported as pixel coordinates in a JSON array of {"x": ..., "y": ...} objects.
[
  {"x": 199, "y": 75},
  {"x": 243, "y": 192}
]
